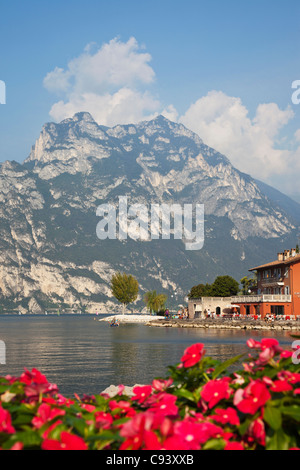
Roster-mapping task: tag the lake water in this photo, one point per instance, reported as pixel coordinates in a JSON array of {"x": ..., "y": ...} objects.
[{"x": 82, "y": 355}]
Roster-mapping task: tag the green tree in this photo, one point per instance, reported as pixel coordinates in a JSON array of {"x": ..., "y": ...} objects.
[
  {"x": 248, "y": 284},
  {"x": 245, "y": 284},
  {"x": 224, "y": 286},
  {"x": 125, "y": 288},
  {"x": 201, "y": 290},
  {"x": 155, "y": 302}
]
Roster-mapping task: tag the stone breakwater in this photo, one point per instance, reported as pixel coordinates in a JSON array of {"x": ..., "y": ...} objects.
[
  {"x": 132, "y": 318},
  {"x": 228, "y": 324}
]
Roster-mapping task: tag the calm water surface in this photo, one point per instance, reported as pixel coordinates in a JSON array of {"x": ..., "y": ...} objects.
[{"x": 82, "y": 355}]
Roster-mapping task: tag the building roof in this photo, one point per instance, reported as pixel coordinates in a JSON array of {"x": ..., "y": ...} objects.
[{"x": 290, "y": 260}]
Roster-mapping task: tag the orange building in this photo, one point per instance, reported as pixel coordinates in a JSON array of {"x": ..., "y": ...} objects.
[{"x": 278, "y": 288}]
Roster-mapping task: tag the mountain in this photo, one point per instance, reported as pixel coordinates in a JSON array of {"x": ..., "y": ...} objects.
[
  {"x": 50, "y": 255},
  {"x": 285, "y": 203}
]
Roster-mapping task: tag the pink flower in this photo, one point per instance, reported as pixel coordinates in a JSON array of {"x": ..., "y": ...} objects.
[
  {"x": 67, "y": 441},
  {"x": 233, "y": 446},
  {"x": 252, "y": 344},
  {"x": 161, "y": 385},
  {"x": 194, "y": 434},
  {"x": 253, "y": 397},
  {"x": 257, "y": 432},
  {"x": 292, "y": 377},
  {"x": 17, "y": 446},
  {"x": 268, "y": 346},
  {"x": 215, "y": 391},
  {"x": 265, "y": 356},
  {"x": 34, "y": 376},
  {"x": 103, "y": 420},
  {"x": 163, "y": 404},
  {"x": 45, "y": 414},
  {"x": 141, "y": 393},
  {"x": 192, "y": 355},
  {"x": 226, "y": 416},
  {"x": 267, "y": 343},
  {"x": 286, "y": 354},
  {"x": 174, "y": 443},
  {"x": 87, "y": 407},
  {"x": 171, "y": 443},
  {"x": 5, "y": 421},
  {"x": 266, "y": 380},
  {"x": 134, "y": 431},
  {"x": 281, "y": 386},
  {"x": 35, "y": 390},
  {"x": 123, "y": 406},
  {"x": 59, "y": 400}
]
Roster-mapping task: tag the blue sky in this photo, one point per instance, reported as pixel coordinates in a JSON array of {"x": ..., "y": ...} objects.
[{"x": 224, "y": 69}]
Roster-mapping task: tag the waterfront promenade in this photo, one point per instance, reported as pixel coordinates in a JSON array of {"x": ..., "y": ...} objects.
[
  {"x": 228, "y": 324},
  {"x": 218, "y": 323}
]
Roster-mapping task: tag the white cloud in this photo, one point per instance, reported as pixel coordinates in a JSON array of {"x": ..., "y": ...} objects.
[
  {"x": 114, "y": 65},
  {"x": 223, "y": 123},
  {"x": 123, "y": 107},
  {"x": 297, "y": 135},
  {"x": 109, "y": 83},
  {"x": 112, "y": 83},
  {"x": 57, "y": 80}
]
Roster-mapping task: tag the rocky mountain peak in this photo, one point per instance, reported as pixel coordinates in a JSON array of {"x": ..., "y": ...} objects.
[{"x": 48, "y": 206}]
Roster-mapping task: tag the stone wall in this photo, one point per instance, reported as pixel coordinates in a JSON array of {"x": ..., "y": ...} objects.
[{"x": 212, "y": 305}]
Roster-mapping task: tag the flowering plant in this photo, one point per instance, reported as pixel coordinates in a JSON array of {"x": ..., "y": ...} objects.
[{"x": 199, "y": 406}]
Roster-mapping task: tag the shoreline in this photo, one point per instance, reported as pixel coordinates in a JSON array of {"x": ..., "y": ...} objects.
[
  {"x": 224, "y": 324},
  {"x": 227, "y": 324},
  {"x": 131, "y": 318}
]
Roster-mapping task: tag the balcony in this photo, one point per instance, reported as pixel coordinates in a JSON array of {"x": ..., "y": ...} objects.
[
  {"x": 272, "y": 281},
  {"x": 249, "y": 299}
]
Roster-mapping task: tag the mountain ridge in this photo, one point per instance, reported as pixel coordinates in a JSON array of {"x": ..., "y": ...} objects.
[{"x": 49, "y": 251}]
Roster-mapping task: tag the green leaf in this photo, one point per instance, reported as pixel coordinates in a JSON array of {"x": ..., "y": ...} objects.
[
  {"x": 292, "y": 411},
  {"x": 76, "y": 423},
  {"x": 24, "y": 418},
  {"x": 29, "y": 438},
  {"x": 56, "y": 432},
  {"x": 273, "y": 418},
  {"x": 183, "y": 392},
  {"x": 222, "y": 367},
  {"x": 279, "y": 441},
  {"x": 214, "y": 444}
]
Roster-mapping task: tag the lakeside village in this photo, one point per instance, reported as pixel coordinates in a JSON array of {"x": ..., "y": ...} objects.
[
  {"x": 274, "y": 293},
  {"x": 271, "y": 295}
]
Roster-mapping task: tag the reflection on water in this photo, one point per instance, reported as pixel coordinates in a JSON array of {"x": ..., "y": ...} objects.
[{"x": 82, "y": 355}]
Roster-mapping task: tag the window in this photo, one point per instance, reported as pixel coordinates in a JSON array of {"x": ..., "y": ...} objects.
[
  {"x": 277, "y": 309},
  {"x": 277, "y": 272},
  {"x": 286, "y": 272},
  {"x": 267, "y": 274}
]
